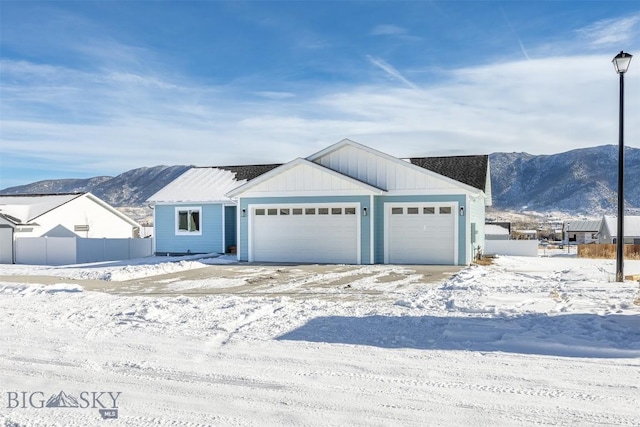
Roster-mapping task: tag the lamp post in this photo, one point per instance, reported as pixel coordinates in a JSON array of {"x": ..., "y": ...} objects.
[{"x": 621, "y": 63}]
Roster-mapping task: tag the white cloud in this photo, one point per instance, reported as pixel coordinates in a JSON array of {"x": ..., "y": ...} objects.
[
  {"x": 106, "y": 123},
  {"x": 390, "y": 70},
  {"x": 612, "y": 32},
  {"x": 275, "y": 95},
  {"x": 387, "y": 29}
]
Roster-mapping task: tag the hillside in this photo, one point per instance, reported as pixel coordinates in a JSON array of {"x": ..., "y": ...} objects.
[
  {"x": 579, "y": 181},
  {"x": 131, "y": 188},
  {"x": 582, "y": 181}
]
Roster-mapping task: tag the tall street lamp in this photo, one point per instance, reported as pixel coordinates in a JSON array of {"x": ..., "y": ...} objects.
[{"x": 621, "y": 63}]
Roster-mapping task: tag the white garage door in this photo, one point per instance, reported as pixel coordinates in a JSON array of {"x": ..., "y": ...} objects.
[
  {"x": 316, "y": 234},
  {"x": 421, "y": 234}
]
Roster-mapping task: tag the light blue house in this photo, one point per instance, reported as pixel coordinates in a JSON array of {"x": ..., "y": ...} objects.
[
  {"x": 352, "y": 204},
  {"x": 192, "y": 214}
]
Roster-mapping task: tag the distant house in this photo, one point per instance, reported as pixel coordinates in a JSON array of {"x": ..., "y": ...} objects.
[
  {"x": 495, "y": 231},
  {"x": 59, "y": 215},
  {"x": 526, "y": 234},
  {"x": 346, "y": 204},
  {"x": 609, "y": 230},
  {"x": 578, "y": 232},
  {"x": 191, "y": 214}
]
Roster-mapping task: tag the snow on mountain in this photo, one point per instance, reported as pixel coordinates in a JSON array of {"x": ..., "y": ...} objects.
[
  {"x": 131, "y": 188},
  {"x": 582, "y": 181}
]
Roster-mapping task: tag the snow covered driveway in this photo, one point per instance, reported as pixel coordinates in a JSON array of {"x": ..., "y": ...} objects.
[{"x": 526, "y": 341}]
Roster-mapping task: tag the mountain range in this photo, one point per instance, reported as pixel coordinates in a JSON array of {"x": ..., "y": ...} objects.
[{"x": 582, "y": 181}]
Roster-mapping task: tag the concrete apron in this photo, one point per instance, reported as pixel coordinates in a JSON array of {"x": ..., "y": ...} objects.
[{"x": 269, "y": 280}]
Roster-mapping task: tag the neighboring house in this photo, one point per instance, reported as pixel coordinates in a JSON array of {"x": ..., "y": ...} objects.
[
  {"x": 6, "y": 239},
  {"x": 59, "y": 215},
  {"x": 526, "y": 234},
  {"x": 609, "y": 230},
  {"x": 578, "y": 232},
  {"x": 495, "y": 231},
  {"x": 352, "y": 204},
  {"x": 65, "y": 215},
  {"x": 192, "y": 214}
]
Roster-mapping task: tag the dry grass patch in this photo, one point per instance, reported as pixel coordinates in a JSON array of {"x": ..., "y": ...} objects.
[{"x": 485, "y": 260}]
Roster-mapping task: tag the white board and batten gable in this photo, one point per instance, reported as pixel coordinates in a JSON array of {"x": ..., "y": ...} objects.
[
  {"x": 351, "y": 168},
  {"x": 383, "y": 171},
  {"x": 301, "y": 177},
  {"x": 206, "y": 184}
]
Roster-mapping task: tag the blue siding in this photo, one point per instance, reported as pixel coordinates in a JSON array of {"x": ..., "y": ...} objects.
[
  {"x": 230, "y": 226},
  {"x": 168, "y": 242},
  {"x": 380, "y": 220},
  {"x": 365, "y": 237}
]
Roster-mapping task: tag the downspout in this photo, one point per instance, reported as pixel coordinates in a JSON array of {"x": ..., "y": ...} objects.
[
  {"x": 372, "y": 241},
  {"x": 155, "y": 230},
  {"x": 238, "y": 228}
]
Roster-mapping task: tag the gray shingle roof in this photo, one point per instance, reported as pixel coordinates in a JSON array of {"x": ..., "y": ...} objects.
[
  {"x": 470, "y": 170},
  {"x": 249, "y": 172}
]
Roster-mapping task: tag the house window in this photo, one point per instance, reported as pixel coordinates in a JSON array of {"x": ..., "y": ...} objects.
[
  {"x": 336, "y": 211},
  {"x": 259, "y": 211},
  {"x": 397, "y": 211},
  {"x": 284, "y": 211},
  {"x": 310, "y": 211},
  {"x": 349, "y": 211},
  {"x": 412, "y": 211},
  {"x": 429, "y": 211},
  {"x": 297, "y": 211},
  {"x": 272, "y": 211},
  {"x": 323, "y": 211},
  {"x": 188, "y": 221},
  {"x": 445, "y": 210}
]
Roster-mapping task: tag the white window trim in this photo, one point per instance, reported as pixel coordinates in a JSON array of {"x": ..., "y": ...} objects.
[{"x": 177, "y": 220}]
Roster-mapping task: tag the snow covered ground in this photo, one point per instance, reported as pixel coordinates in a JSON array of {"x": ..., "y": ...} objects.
[{"x": 525, "y": 341}]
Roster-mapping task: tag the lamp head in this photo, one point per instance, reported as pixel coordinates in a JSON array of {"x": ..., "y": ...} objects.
[{"x": 621, "y": 62}]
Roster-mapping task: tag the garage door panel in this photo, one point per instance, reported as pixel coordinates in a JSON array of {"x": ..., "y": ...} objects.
[
  {"x": 426, "y": 237},
  {"x": 313, "y": 238}
]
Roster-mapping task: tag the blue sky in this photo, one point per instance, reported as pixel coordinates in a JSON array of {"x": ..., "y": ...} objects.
[{"x": 100, "y": 87}]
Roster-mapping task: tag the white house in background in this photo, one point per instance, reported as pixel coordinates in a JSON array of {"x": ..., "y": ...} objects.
[
  {"x": 59, "y": 215},
  {"x": 496, "y": 232},
  {"x": 609, "y": 230},
  {"x": 579, "y": 232}
]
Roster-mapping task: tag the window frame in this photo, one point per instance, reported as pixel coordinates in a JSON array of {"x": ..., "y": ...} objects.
[{"x": 189, "y": 211}]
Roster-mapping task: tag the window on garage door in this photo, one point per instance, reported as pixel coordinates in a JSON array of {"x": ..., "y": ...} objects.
[{"x": 306, "y": 211}]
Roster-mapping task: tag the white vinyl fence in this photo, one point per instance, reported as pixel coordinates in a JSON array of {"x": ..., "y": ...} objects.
[
  {"x": 511, "y": 247},
  {"x": 78, "y": 250}
]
